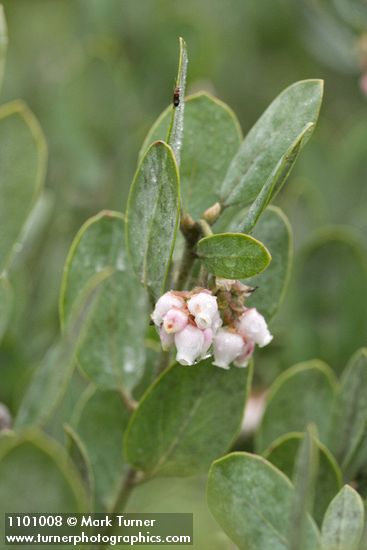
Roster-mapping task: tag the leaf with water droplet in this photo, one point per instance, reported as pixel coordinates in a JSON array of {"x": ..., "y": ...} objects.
[
  {"x": 50, "y": 380},
  {"x": 270, "y": 138},
  {"x": 152, "y": 216},
  {"x": 178, "y": 428},
  {"x": 275, "y": 181},
  {"x": 233, "y": 255},
  {"x": 343, "y": 523},
  {"x": 176, "y": 129},
  {"x": 282, "y": 453},
  {"x": 22, "y": 168},
  {"x": 251, "y": 500},
  {"x": 112, "y": 354},
  {"x": 211, "y": 138}
]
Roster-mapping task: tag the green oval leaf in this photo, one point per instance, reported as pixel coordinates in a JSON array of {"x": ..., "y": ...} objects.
[
  {"x": 79, "y": 456},
  {"x": 180, "y": 425},
  {"x": 275, "y": 232},
  {"x": 268, "y": 141},
  {"x": 153, "y": 215},
  {"x": 343, "y": 524},
  {"x": 180, "y": 495},
  {"x": 112, "y": 353},
  {"x": 301, "y": 395},
  {"x": 211, "y": 138},
  {"x": 22, "y": 168},
  {"x": 275, "y": 181},
  {"x": 233, "y": 255},
  {"x": 282, "y": 453},
  {"x": 251, "y": 500},
  {"x": 304, "y": 480},
  {"x": 349, "y": 422},
  {"x": 6, "y": 301},
  {"x": 51, "y": 378},
  {"x": 100, "y": 422},
  {"x": 329, "y": 285},
  {"x": 37, "y": 476}
]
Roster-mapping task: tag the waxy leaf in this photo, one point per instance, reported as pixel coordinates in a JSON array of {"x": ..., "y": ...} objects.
[
  {"x": 329, "y": 299},
  {"x": 251, "y": 500},
  {"x": 3, "y": 44},
  {"x": 211, "y": 138},
  {"x": 50, "y": 380},
  {"x": 349, "y": 423},
  {"x": 269, "y": 140},
  {"x": 34, "y": 229},
  {"x": 180, "y": 495},
  {"x": 22, "y": 170},
  {"x": 153, "y": 357},
  {"x": 112, "y": 354},
  {"x": 186, "y": 419},
  {"x": 275, "y": 232},
  {"x": 274, "y": 182},
  {"x": 363, "y": 543},
  {"x": 282, "y": 453},
  {"x": 6, "y": 301},
  {"x": 343, "y": 524},
  {"x": 176, "y": 129},
  {"x": 304, "y": 480},
  {"x": 301, "y": 395},
  {"x": 100, "y": 421},
  {"x": 63, "y": 413},
  {"x": 233, "y": 255},
  {"x": 37, "y": 476},
  {"x": 80, "y": 459},
  {"x": 152, "y": 216}
]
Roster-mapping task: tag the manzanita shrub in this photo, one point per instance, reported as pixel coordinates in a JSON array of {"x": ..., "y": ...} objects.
[{"x": 161, "y": 309}]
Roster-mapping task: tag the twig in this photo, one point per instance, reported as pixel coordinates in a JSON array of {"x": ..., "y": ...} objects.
[
  {"x": 128, "y": 484},
  {"x": 125, "y": 491},
  {"x": 187, "y": 262},
  {"x": 192, "y": 231},
  {"x": 163, "y": 362},
  {"x": 128, "y": 400},
  {"x": 205, "y": 228}
]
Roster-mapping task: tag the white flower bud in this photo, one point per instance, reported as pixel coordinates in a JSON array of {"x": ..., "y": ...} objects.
[
  {"x": 175, "y": 320},
  {"x": 203, "y": 307},
  {"x": 167, "y": 340},
  {"x": 217, "y": 322},
  {"x": 189, "y": 343},
  {"x": 164, "y": 304},
  {"x": 243, "y": 359},
  {"x": 208, "y": 340},
  {"x": 227, "y": 347},
  {"x": 252, "y": 326}
]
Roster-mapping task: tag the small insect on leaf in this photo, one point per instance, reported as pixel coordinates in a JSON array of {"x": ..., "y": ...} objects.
[{"x": 176, "y": 96}]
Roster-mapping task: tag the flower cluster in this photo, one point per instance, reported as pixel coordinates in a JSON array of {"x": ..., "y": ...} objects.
[
  {"x": 189, "y": 320},
  {"x": 236, "y": 344},
  {"x": 198, "y": 320}
]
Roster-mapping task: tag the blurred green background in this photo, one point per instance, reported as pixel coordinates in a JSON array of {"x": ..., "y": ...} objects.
[{"x": 97, "y": 73}]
